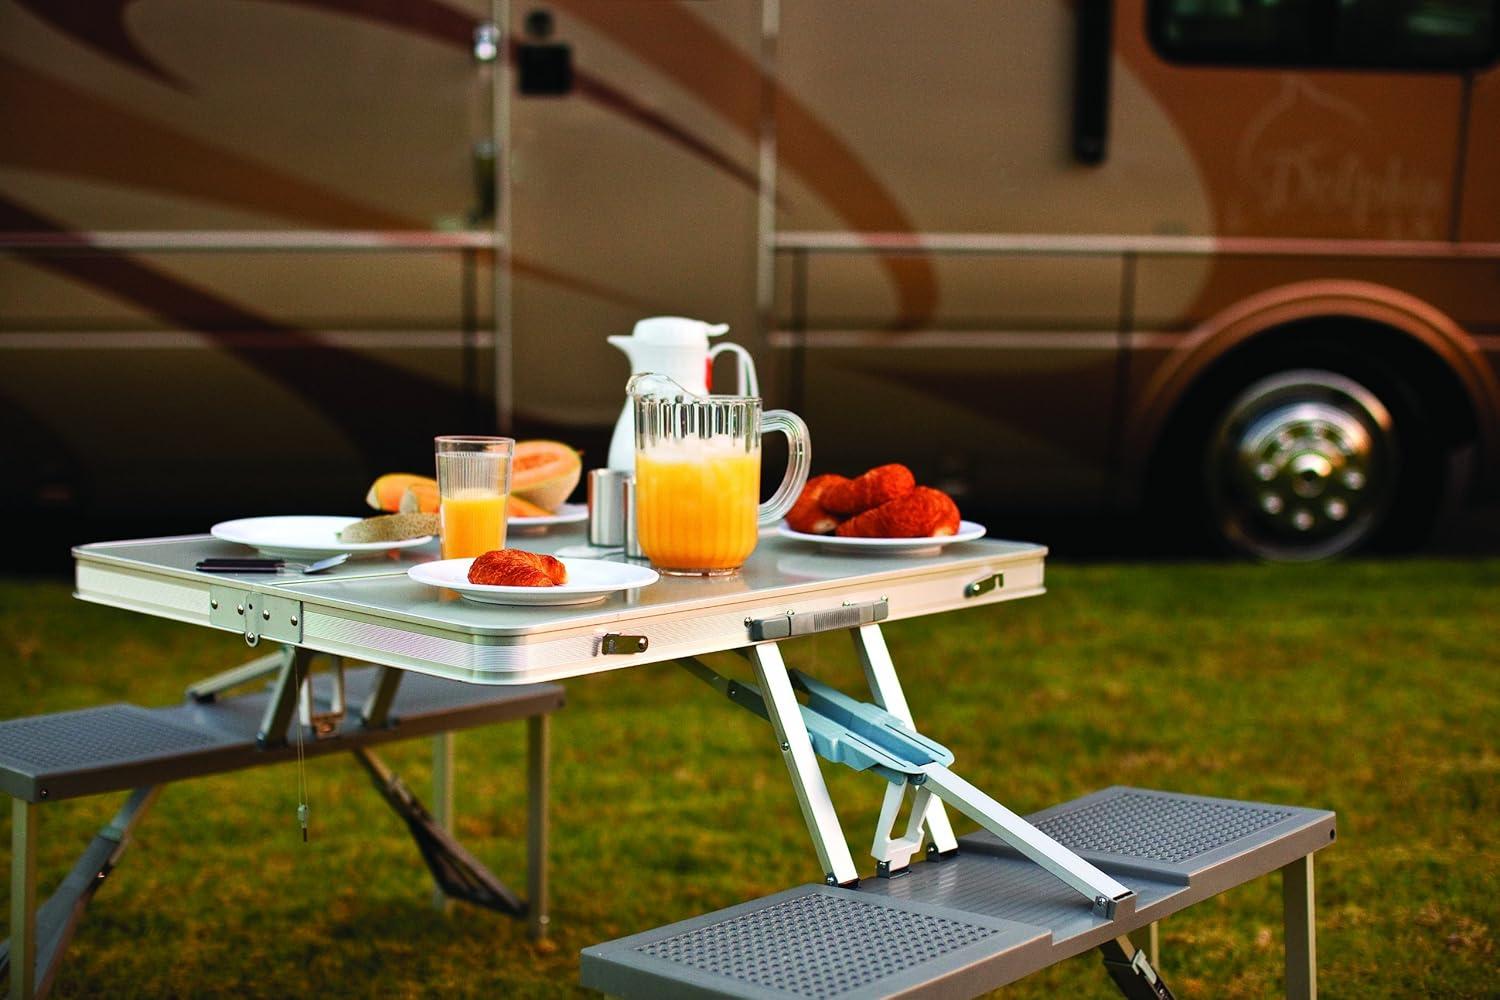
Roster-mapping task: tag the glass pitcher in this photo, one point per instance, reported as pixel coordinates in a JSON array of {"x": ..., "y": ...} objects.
[{"x": 697, "y": 475}]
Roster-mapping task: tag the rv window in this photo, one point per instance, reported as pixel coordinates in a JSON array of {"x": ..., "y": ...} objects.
[{"x": 1357, "y": 34}]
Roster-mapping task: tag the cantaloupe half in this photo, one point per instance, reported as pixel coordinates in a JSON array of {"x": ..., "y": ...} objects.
[
  {"x": 387, "y": 493},
  {"x": 544, "y": 473},
  {"x": 516, "y": 507}
]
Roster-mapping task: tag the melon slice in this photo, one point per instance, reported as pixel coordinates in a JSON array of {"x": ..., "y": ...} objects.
[
  {"x": 389, "y": 491},
  {"x": 544, "y": 473},
  {"x": 516, "y": 507}
]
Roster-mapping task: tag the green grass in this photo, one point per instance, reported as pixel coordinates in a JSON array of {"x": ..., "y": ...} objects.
[{"x": 1365, "y": 687}]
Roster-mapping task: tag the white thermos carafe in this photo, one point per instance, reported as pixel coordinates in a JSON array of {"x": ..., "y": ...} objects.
[{"x": 677, "y": 348}]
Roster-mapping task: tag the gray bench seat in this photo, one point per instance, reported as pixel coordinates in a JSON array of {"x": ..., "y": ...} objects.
[
  {"x": 48, "y": 758},
  {"x": 962, "y": 925},
  {"x": 112, "y": 748}
]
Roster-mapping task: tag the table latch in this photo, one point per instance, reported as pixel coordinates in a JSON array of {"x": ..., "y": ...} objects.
[
  {"x": 254, "y": 615},
  {"x": 613, "y": 643},
  {"x": 844, "y": 617},
  {"x": 984, "y": 585}
]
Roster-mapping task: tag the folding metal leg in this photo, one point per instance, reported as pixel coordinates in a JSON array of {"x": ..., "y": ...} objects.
[
  {"x": 796, "y": 748},
  {"x": 1136, "y": 978},
  {"x": 282, "y": 704},
  {"x": 442, "y": 801},
  {"x": 456, "y": 871},
  {"x": 211, "y": 687},
  {"x": 375, "y": 713},
  {"x": 885, "y": 686},
  {"x": 537, "y": 774},
  {"x": 23, "y": 899},
  {"x": 55, "y": 920},
  {"x": 1299, "y": 929}
]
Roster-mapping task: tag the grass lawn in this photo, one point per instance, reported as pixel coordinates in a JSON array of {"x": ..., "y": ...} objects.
[{"x": 1365, "y": 687}]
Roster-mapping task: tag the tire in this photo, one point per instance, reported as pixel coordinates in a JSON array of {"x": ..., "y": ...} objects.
[{"x": 1311, "y": 459}]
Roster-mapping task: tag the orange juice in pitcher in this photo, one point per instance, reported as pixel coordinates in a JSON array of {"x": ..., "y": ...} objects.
[
  {"x": 697, "y": 510},
  {"x": 697, "y": 475}
]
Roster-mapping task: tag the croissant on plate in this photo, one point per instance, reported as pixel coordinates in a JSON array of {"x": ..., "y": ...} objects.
[
  {"x": 517, "y": 568},
  {"x": 881, "y": 484},
  {"x": 808, "y": 515},
  {"x": 922, "y": 513}
]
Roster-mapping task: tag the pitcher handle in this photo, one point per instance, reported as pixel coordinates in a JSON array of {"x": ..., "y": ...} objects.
[
  {"x": 798, "y": 462},
  {"x": 744, "y": 370}
]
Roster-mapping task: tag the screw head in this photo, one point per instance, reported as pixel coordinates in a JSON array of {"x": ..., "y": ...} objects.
[
  {"x": 239, "y": 609},
  {"x": 829, "y": 880},
  {"x": 266, "y": 614},
  {"x": 785, "y": 745},
  {"x": 294, "y": 619},
  {"x": 214, "y": 605}
]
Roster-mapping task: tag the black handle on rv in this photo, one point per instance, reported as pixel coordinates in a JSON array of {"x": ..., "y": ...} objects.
[{"x": 1091, "y": 84}]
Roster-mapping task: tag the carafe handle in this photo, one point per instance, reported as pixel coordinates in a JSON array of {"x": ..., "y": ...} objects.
[
  {"x": 798, "y": 461},
  {"x": 744, "y": 369}
]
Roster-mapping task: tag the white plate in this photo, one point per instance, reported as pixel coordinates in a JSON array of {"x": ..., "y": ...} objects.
[
  {"x": 302, "y": 537},
  {"x": 589, "y": 580},
  {"x": 967, "y": 532},
  {"x": 568, "y": 513}
]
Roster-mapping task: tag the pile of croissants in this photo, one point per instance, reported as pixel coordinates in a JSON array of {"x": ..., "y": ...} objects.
[{"x": 885, "y": 502}]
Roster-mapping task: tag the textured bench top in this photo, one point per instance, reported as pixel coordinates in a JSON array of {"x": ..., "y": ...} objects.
[{"x": 114, "y": 747}]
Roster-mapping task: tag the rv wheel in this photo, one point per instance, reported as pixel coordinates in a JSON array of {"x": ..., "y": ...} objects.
[{"x": 1308, "y": 463}]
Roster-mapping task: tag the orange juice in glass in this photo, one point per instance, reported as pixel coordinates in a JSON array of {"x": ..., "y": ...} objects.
[
  {"x": 697, "y": 475},
  {"x": 473, "y": 476}
]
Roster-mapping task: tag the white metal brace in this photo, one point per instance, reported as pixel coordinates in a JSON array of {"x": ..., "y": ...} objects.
[
  {"x": 932, "y": 781},
  {"x": 885, "y": 686},
  {"x": 802, "y": 763}
]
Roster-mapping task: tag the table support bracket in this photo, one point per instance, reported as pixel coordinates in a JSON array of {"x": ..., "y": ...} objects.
[{"x": 875, "y": 738}]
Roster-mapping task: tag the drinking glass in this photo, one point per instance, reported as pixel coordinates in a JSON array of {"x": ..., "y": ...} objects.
[
  {"x": 697, "y": 475},
  {"x": 473, "y": 475}
]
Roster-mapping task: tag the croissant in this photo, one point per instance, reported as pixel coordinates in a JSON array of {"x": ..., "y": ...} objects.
[
  {"x": 517, "y": 568},
  {"x": 881, "y": 484},
  {"x": 922, "y": 513},
  {"x": 807, "y": 514}
]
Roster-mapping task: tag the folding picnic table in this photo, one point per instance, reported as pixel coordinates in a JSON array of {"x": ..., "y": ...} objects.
[{"x": 969, "y": 915}]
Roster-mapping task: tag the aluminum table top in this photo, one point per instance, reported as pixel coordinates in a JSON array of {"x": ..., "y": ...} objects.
[{"x": 368, "y": 609}]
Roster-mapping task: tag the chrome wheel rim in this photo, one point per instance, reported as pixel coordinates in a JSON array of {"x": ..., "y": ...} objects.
[{"x": 1301, "y": 466}]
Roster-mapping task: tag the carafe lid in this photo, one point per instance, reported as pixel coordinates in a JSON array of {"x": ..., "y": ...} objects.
[{"x": 676, "y": 331}]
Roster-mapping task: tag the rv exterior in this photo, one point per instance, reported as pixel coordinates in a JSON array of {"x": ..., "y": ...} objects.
[{"x": 1238, "y": 263}]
